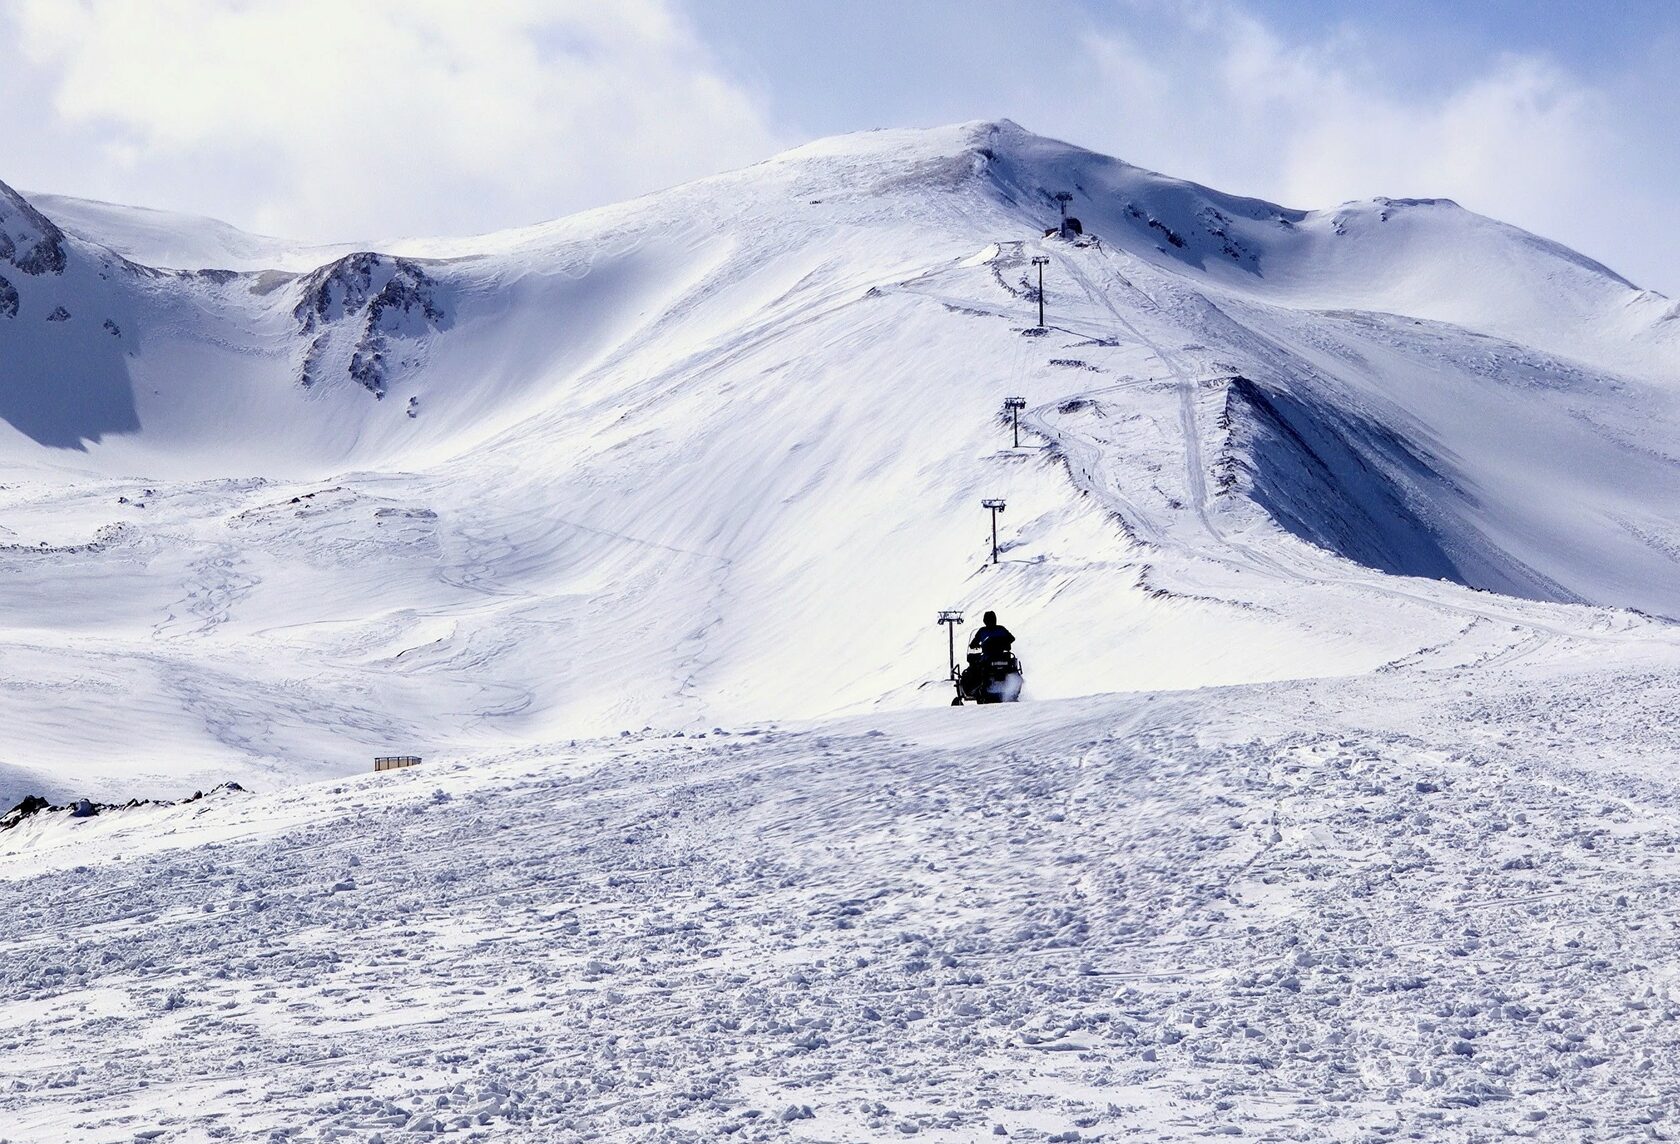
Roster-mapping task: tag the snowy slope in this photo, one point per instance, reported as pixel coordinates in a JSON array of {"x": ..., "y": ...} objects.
[
  {"x": 180, "y": 241},
  {"x": 716, "y": 455},
  {"x": 1353, "y": 909},
  {"x": 1341, "y": 544}
]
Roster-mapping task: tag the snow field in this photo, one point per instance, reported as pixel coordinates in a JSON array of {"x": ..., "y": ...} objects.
[{"x": 1312, "y": 910}]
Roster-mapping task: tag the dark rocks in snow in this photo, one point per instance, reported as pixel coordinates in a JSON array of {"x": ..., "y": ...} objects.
[
  {"x": 59, "y": 314},
  {"x": 367, "y": 369},
  {"x": 33, "y": 805},
  {"x": 312, "y": 361},
  {"x": 107, "y": 536},
  {"x": 113, "y": 328},
  {"x": 335, "y": 290},
  {"x": 8, "y": 299},
  {"x": 1192, "y": 231},
  {"x": 1215, "y": 222},
  {"x": 1172, "y": 235},
  {"x": 409, "y": 291},
  {"x": 388, "y": 288},
  {"x": 28, "y": 239},
  {"x": 374, "y": 299}
]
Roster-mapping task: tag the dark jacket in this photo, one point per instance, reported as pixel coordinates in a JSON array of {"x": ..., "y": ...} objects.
[{"x": 992, "y": 639}]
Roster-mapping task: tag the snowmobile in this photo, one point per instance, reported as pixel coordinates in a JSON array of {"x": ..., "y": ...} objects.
[{"x": 994, "y": 678}]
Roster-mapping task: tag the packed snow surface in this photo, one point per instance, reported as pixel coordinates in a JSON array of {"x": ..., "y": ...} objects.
[
  {"x": 1341, "y": 545},
  {"x": 1346, "y": 909}
]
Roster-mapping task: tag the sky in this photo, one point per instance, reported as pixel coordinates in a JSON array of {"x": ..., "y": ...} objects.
[{"x": 329, "y": 121}]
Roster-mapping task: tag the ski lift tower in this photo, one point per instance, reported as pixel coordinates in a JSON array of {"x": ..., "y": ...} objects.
[
  {"x": 951, "y": 618},
  {"x": 1040, "y": 261},
  {"x": 997, "y": 505},
  {"x": 1064, "y": 198},
  {"x": 1015, "y": 405}
]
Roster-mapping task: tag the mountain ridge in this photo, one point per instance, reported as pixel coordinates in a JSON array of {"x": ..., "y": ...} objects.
[{"x": 976, "y": 138}]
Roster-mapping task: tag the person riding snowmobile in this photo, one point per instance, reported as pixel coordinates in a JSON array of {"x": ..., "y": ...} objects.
[
  {"x": 991, "y": 662},
  {"x": 992, "y": 639}
]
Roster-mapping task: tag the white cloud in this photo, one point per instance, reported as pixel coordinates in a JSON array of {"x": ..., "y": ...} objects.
[
  {"x": 325, "y": 119},
  {"x": 1206, "y": 91}
]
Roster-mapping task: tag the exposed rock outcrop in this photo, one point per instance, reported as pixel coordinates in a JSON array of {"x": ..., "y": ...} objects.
[
  {"x": 358, "y": 308},
  {"x": 28, "y": 239}
]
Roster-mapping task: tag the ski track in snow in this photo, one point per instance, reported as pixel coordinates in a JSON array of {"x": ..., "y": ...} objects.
[{"x": 1148, "y": 917}]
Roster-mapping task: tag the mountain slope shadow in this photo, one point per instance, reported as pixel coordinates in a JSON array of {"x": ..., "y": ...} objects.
[
  {"x": 64, "y": 377},
  {"x": 64, "y": 387},
  {"x": 1353, "y": 487}
]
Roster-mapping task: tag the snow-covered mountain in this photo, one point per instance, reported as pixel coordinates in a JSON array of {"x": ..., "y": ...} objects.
[
  {"x": 717, "y": 454},
  {"x": 1342, "y": 547}
]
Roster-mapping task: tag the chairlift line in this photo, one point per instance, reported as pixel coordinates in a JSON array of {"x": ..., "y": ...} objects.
[
  {"x": 1041, "y": 262},
  {"x": 950, "y": 618},
  {"x": 997, "y": 505},
  {"x": 1015, "y": 405}
]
